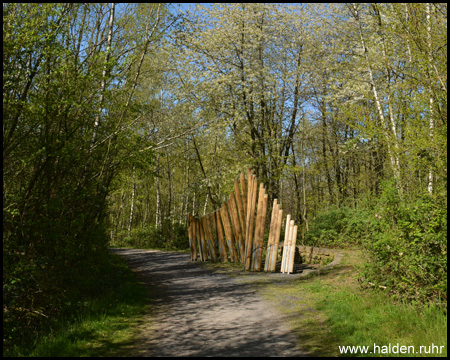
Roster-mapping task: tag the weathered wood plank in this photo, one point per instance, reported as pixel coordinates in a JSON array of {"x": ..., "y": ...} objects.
[
  {"x": 262, "y": 226},
  {"x": 220, "y": 236},
  {"x": 270, "y": 242},
  {"x": 292, "y": 250},
  {"x": 240, "y": 209},
  {"x": 259, "y": 209},
  {"x": 286, "y": 241},
  {"x": 209, "y": 237},
  {"x": 287, "y": 249},
  {"x": 228, "y": 232},
  {"x": 204, "y": 251},
  {"x": 274, "y": 256},
  {"x": 251, "y": 203},
  {"x": 236, "y": 226}
]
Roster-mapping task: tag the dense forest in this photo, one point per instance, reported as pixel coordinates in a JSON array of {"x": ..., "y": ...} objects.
[{"x": 120, "y": 119}]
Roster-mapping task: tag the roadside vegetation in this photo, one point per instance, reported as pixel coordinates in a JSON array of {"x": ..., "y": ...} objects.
[
  {"x": 100, "y": 323},
  {"x": 331, "y": 310}
]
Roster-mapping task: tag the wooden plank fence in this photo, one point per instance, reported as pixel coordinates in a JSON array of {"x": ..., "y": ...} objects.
[{"x": 235, "y": 232}]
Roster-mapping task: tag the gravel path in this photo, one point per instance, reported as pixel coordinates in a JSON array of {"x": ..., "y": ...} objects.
[{"x": 204, "y": 313}]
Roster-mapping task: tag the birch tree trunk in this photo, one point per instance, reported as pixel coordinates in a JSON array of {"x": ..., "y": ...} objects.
[
  {"x": 158, "y": 197},
  {"x": 133, "y": 192},
  {"x": 389, "y": 129},
  {"x": 104, "y": 74}
]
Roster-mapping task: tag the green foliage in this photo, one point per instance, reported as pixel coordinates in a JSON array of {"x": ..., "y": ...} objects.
[
  {"x": 67, "y": 116},
  {"x": 409, "y": 253},
  {"x": 362, "y": 319},
  {"x": 341, "y": 227},
  {"x": 405, "y": 238},
  {"x": 89, "y": 317}
]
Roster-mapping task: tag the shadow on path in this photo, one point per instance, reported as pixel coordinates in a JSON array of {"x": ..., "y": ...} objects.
[{"x": 203, "y": 313}]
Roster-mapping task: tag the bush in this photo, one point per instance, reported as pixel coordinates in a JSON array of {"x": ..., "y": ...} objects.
[
  {"x": 341, "y": 227},
  {"x": 406, "y": 239},
  {"x": 409, "y": 254}
]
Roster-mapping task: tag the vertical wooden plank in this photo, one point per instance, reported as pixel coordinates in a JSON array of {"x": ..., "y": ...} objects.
[
  {"x": 258, "y": 224},
  {"x": 247, "y": 216},
  {"x": 209, "y": 237},
  {"x": 286, "y": 240},
  {"x": 213, "y": 234},
  {"x": 244, "y": 194},
  {"x": 292, "y": 251},
  {"x": 232, "y": 235},
  {"x": 274, "y": 256},
  {"x": 271, "y": 233},
  {"x": 251, "y": 203},
  {"x": 198, "y": 239},
  {"x": 220, "y": 237},
  {"x": 214, "y": 229},
  {"x": 262, "y": 226},
  {"x": 202, "y": 238},
  {"x": 228, "y": 233},
  {"x": 288, "y": 248},
  {"x": 240, "y": 210},
  {"x": 236, "y": 227}
]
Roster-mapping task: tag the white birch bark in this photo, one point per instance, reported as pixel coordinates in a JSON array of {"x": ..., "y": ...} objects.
[
  {"x": 391, "y": 138},
  {"x": 133, "y": 192},
  {"x": 105, "y": 70}
]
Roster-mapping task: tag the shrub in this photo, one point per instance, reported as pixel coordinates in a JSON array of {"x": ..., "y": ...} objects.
[
  {"x": 339, "y": 227},
  {"x": 406, "y": 239},
  {"x": 409, "y": 254}
]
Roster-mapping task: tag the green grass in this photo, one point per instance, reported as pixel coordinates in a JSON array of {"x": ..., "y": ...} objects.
[
  {"x": 331, "y": 310},
  {"x": 358, "y": 318},
  {"x": 106, "y": 326}
]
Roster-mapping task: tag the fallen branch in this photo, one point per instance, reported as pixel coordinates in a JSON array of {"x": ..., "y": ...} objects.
[{"x": 380, "y": 286}]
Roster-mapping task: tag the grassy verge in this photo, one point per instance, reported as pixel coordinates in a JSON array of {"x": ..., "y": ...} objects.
[
  {"x": 106, "y": 325},
  {"x": 330, "y": 310}
]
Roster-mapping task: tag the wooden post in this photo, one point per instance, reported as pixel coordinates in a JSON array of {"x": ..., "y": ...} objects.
[
  {"x": 202, "y": 238},
  {"x": 257, "y": 225},
  {"x": 286, "y": 241},
  {"x": 209, "y": 238},
  {"x": 240, "y": 210},
  {"x": 219, "y": 231},
  {"x": 198, "y": 239},
  {"x": 287, "y": 249},
  {"x": 260, "y": 244},
  {"x": 214, "y": 238},
  {"x": 251, "y": 204},
  {"x": 274, "y": 256},
  {"x": 228, "y": 232},
  {"x": 236, "y": 227},
  {"x": 244, "y": 194},
  {"x": 273, "y": 220},
  {"x": 292, "y": 251}
]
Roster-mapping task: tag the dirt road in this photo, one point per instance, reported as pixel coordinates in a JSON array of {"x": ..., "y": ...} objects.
[{"x": 205, "y": 313}]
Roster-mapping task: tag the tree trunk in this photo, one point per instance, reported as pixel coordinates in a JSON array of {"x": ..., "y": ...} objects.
[{"x": 133, "y": 192}]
